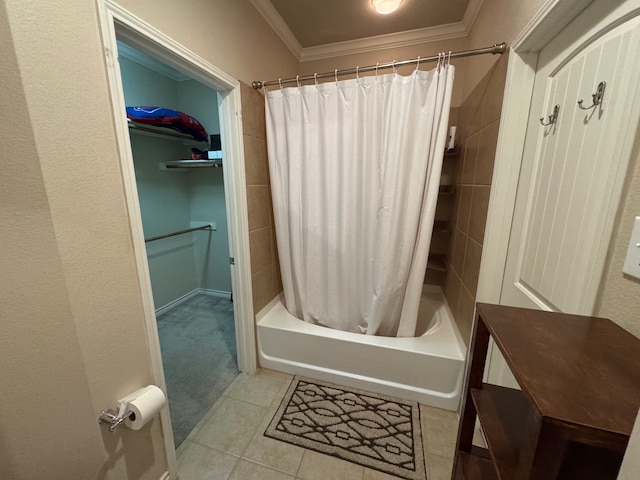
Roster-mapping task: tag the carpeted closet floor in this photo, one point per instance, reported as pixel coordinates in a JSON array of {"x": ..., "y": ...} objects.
[{"x": 198, "y": 344}]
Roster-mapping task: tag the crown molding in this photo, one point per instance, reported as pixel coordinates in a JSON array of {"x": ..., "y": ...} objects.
[
  {"x": 275, "y": 21},
  {"x": 471, "y": 13},
  {"x": 369, "y": 44},
  {"x": 151, "y": 63},
  {"x": 390, "y": 40}
]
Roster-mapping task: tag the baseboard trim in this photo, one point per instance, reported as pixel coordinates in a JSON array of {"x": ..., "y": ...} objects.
[
  {"x": 187, "y": 296},
  {"x": 214, "y": 293}
]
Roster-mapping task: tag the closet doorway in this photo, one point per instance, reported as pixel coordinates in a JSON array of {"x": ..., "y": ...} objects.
[
  {"x": 174, "y": 131},
  {"x": 193, "y": 192}
]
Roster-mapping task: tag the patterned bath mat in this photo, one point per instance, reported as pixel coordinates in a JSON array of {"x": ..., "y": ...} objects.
[{"x": 372, "y": 430}]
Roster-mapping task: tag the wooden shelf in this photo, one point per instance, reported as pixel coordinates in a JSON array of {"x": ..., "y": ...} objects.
[
  {"x": 503, "y": 413},
  {"x": 476, "y": 465},
  {"x": 580, "y": 380}
]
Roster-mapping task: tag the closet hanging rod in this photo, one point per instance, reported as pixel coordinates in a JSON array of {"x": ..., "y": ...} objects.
[
  {"x": 173, "y": 234},
  {"x": 498, "y": 48}
]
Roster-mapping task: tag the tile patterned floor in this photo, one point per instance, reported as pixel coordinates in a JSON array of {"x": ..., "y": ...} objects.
[{"x": 228, "y": 443}]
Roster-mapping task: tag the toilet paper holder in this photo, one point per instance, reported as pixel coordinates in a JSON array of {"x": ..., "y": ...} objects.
[{"x": 111, "y": 417}]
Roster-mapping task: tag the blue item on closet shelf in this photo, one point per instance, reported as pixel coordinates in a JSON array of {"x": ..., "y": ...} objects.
[{"x": 165, "y": 117}]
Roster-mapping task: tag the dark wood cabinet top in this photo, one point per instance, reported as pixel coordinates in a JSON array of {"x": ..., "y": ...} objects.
[{"x": 582, "y": 371}]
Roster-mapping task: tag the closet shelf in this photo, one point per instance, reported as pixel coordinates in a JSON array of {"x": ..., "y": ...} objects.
[
  {"x": 166, "y": 133},
  {"x": 181, "y": 165}
]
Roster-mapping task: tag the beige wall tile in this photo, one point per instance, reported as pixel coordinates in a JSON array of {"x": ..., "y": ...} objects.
[
  {"x": 259, "y": 206},
  {"x": 260, "y": 245},
  {"x": 468, "y": 173},
  {"x": 478, "y": 212},
  {"x": 458, "y": 251},
  {"x": 264, "y": 288},
  {"x": 454, "y": 115},
  {"x": 492, "y": 100},
  {"x": 471, "y": 110},
  {"x": 255, "y": 158},
  {"x": 464, "y": 208},
  {"x": 253, "y": 120},
  {"x": 451, "y": 288},
  {"x": 464, "y": 315},
  {"x": 486, "y": 154},
  {"x": 471, "y": 269}
]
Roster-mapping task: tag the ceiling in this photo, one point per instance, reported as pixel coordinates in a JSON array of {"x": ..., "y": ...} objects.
[{"x": 331, "y": 27}]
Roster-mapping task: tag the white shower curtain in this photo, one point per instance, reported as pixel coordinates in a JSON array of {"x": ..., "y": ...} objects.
[{"x": 355, "y": 167}]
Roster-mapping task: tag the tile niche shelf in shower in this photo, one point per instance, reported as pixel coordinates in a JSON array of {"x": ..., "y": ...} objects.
[{"x": 437, "y": 262}]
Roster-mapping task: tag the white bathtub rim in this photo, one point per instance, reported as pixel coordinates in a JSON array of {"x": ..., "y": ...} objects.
[{"x": 444, "y": 334}]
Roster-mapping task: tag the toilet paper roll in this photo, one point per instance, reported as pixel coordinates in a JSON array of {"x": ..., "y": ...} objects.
[{"x": 143, "y": 404}]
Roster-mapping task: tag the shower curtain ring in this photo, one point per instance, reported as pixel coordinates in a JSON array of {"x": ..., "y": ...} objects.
[
  {"x": 449, "y": 59},
  {"x": 393, "y": 67},
  {"x": 280, "y": 83},
  {"x": 336, "y": 74},
  {"x": 315, "y": 78},
  {"x": 298, "y": 80},
  {"x": 357, "y": 72},
  {"x": 418, "y": 64},
  {"x": 377, "y": 65}
]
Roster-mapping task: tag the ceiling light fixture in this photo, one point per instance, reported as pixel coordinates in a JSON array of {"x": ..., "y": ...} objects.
[{"x": 385, "y": 7}]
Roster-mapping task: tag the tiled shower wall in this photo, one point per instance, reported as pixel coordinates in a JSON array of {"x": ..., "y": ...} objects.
[
  {"x": 265, "y": 270},
  {"x": 478, "y": 121}
]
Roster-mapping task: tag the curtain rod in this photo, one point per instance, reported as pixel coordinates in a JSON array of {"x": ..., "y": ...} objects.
[{"x": 498, "y": 48}]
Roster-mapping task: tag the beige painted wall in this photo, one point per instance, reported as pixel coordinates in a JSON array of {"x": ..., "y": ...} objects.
[
  {"x": 73, "y": 337},
  {"x": 229, "y": 33},
  {"x": 391, "y": 54},
  {"x": 619, "y": 297},
  {"x": 497, "y": 21}
]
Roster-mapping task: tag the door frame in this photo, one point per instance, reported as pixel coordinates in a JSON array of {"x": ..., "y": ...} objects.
[
  {"x": 518, "y": 92},
  {"x": 116, "y": 20}
]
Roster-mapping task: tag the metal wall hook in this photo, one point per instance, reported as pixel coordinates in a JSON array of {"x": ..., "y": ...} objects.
[
  {"x": 597, "y": 97},
  {"x": 553, "y": 118}
]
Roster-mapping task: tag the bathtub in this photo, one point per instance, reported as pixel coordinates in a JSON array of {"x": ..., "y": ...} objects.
[{"x": 428, "y": 368}]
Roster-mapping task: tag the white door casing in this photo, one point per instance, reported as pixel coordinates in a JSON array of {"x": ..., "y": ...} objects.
[{"x": 137, "y": 33}]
